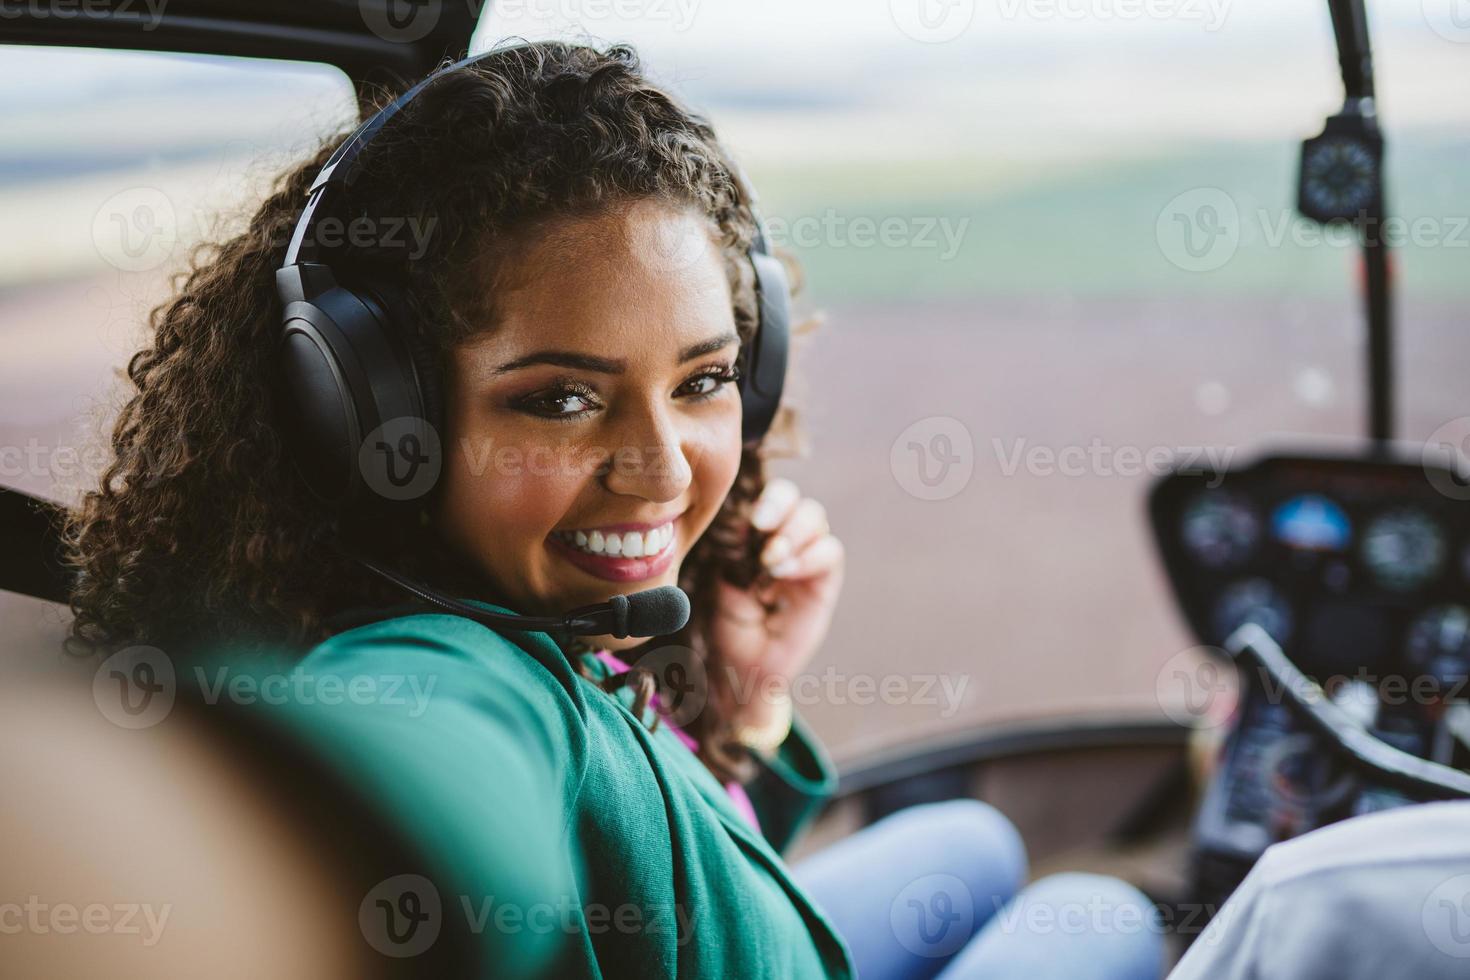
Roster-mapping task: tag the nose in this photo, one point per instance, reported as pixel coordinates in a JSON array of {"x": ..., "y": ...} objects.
[{"x": 647, "y": 456}]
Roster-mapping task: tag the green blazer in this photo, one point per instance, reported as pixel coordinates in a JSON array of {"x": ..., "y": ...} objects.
[{"x": 570, "y": 840}]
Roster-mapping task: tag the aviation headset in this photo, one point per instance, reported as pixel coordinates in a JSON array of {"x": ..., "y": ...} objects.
[{"x": 362, "y": 406}]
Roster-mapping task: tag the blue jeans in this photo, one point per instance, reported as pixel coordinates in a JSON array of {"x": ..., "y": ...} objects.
[{"x": 935, "y": 891}]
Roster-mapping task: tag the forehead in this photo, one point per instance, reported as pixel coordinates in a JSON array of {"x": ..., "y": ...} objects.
[{"x": 641, "y": 281}]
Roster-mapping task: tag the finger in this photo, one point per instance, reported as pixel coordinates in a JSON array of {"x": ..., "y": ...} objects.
[
  {"x": 774, "y": 503},
  {"x": 821, "y": 557},
  {"x": 806, "y": 522}
]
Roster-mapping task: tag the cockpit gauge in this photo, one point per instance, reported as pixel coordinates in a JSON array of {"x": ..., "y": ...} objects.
[
  {"x": 1253, "y": 601},
  {"x": 1219, "y": 530},
  {"x": 1404, "y": 549},
  {"x": 1311, "y": 522},
  {"x": 1439, "y": 644}
]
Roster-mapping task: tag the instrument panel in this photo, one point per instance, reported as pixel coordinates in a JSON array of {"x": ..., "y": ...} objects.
[
  {"x": 1359, "y": 567},
  {"x": 1354, "y": 565}
]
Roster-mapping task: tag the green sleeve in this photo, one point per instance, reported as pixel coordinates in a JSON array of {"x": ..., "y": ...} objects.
[
  {"x": 791, "y": 786},
  {"x": 468, "y": 742}
]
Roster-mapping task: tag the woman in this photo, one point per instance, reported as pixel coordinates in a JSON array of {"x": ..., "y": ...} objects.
[{"x": 583, "y": 296}]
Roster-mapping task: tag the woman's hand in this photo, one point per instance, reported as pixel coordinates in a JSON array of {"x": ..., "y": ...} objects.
[{"x": 802, "y": 576}]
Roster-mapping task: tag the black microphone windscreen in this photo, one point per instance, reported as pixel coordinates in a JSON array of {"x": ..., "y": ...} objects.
[{"x": 657, "y": 612}]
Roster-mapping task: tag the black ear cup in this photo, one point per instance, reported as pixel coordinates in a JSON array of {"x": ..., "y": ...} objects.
[
  {"x": 354, "y": 412},
  {"x": 765, "y": 358}
]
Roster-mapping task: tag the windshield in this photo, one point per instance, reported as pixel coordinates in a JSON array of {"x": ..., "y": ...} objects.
[{"x": 1051, "y": 244}]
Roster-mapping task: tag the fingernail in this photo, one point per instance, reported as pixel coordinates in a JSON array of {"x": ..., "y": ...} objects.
[
  {"x": 776, "y": 549},
  {"x": 787, "y": 567},
  {"x": 764, "y": 516}
]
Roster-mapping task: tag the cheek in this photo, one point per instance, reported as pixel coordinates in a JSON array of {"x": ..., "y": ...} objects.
[
  {"x": 501, "y": 501},
  {"x": 714, "y": 458}
]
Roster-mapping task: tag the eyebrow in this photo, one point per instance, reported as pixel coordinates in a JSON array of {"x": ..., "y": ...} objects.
[{"x": 608, "y": 365}]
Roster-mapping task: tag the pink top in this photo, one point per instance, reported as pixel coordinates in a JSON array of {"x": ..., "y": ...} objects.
[{"x": 737, "y": 792}]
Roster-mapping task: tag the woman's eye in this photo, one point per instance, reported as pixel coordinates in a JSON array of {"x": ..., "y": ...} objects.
[
  {"x": 704, "y": 385},
  {"x": 558, "y": 403}
]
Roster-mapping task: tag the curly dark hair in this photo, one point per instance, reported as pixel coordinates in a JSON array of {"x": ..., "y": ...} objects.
[{"x": 201, "y": 532}]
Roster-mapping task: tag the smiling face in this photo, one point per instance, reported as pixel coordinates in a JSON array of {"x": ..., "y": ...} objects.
[{"x": 594, "y": 428}]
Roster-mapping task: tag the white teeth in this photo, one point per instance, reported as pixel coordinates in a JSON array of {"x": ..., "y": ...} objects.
[{"x": 629, "y": 544}]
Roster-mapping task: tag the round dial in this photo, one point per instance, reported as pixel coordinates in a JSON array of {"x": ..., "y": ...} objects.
[
  {"x": 1339, "y": 176},
  {"x": 1311, "y": 522},
  {"x": 1403, "y": 549},
  {"x": 1439, "y": 643},
  {"x": 1219, "y": 529},
  {"x": 1253, "y": 601}
]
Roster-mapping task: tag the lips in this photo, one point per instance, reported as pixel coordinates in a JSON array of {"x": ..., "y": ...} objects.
[{"x": 615, "y": 568}]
